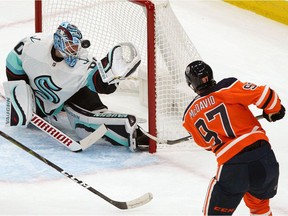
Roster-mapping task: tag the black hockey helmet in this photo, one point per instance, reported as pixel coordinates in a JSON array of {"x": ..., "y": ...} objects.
[{"x": 194, "y": 73}]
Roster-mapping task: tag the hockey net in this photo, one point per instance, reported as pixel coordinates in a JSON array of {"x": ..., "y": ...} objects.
[{"x": 153, "y": 28}]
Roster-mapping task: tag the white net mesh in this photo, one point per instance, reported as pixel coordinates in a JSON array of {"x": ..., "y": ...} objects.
[{"x": 106, "y": 23}]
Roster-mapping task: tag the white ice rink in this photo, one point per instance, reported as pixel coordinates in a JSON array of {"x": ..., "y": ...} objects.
[{"x": 233, "y": 41}]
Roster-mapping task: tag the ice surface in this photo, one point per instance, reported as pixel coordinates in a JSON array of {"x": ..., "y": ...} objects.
[{"x": 233, "y": 41}]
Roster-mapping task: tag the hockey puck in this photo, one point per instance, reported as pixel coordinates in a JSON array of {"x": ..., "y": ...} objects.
[{"x": 85, "y": 44}]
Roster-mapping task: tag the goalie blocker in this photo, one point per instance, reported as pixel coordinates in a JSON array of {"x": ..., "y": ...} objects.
[{"x": 122, "y": 129}]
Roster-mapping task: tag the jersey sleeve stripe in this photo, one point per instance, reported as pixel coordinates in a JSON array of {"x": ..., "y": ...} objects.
[
  {"x": 261, "y": 99},
  {"x": 274, "y": 102},
  {"x": 13, "y": 76},
  {"x": 268, "y": 99}
]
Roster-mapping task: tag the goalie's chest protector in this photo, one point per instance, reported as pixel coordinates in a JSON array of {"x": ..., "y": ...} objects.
[{"x": 53, "y": 82}]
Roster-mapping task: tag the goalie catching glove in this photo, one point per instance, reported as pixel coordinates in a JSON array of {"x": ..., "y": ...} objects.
[
  {"x": 120, "y": 62},
  {"x": 20, "y": 103}
]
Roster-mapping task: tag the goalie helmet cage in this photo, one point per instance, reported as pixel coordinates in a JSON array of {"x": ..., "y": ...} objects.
[{"x": 153, "y": 28}]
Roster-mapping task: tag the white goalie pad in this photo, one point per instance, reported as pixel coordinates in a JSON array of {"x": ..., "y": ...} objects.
[
  {"x": 121, "y": 128},
  {"x": 123, "y": 61},
  {"x": 20, "y": 103}
]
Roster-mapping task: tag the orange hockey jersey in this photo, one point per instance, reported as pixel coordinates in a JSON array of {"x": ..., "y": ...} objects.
[{"x": 219, "y": 119}]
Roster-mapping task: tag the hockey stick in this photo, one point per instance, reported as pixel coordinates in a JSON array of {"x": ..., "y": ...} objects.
[
  {"x": 163, "y": 141},
  {"x": 75, "y": 146},
  {"x": 121, "y": 205},
  {"x": 55, "y": 133},
  {"x": 172, "y": 142}
]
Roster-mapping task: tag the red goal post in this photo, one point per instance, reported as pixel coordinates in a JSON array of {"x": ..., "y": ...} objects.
[{"x": 153, "y": 28}]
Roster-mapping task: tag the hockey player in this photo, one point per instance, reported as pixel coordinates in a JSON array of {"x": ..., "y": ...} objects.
[
  {"x": 220, "y": 121},
  {"x": 50, "y": 73}
]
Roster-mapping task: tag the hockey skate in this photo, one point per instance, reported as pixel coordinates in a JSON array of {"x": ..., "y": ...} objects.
[{"x": 142, "y": 141}]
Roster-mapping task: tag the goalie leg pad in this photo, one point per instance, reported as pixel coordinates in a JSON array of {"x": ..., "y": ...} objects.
[
  {"x": 20, "y": 103},
  {"x": 121, "y": 127}
]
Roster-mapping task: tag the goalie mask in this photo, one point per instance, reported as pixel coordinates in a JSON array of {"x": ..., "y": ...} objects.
[
  {"x": 67, "y": 40},
  {"x": 199, "y": 76}
]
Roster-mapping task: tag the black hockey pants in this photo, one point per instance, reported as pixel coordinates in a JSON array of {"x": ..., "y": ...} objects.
[{"x": 254, "y": 170}]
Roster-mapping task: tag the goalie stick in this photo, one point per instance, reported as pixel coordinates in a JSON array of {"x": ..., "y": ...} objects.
[
  {"x": 142, "y": 200},
  {"x": 55, "y": 133},
  {"x": 75, "y": 146},
  {"x": 172, "y": 142}
]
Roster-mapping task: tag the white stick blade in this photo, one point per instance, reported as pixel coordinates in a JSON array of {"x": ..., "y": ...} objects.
[
  {"x": 94, "y": 137},
  {"x": 140, "y": 201}
]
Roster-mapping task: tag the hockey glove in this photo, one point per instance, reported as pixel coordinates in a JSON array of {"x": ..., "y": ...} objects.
[
  {"x": 275, "y": 116},
  {"x": 120, "y": 62}
]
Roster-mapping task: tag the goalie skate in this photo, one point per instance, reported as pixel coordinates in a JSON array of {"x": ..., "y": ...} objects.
[{"x": 142, "y": 141}]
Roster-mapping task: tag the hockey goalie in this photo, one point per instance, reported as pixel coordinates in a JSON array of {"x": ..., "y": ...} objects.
[{"x": 52, "y": 73}]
